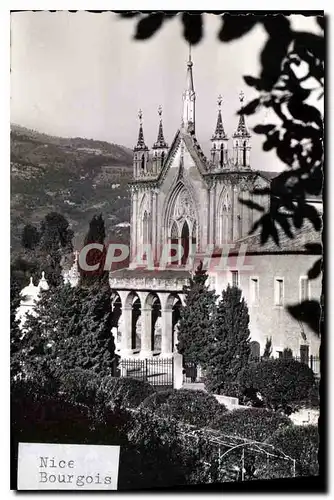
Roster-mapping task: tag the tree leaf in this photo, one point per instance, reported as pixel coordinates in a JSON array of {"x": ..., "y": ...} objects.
[
  {"x": 250, "y": 108},
  {"x": 315, "y": 248},
  {"x": 192, "y": 27},
  {"x": 253, "y": 82},
  {"x": 149, "y": 25},
  {"x": 315, "y": 270},
  {"x": 252, "y": 204},
  {"x": 235, "y": 26},
  {"x": 128, "y": 15},
  {"x": 313, "y": 43},
  {"x": 263, "y": 129},
  {"x": 307, "y": 312}
]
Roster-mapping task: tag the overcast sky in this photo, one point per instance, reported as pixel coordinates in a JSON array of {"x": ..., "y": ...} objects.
[{"x": 82, "y": 74}]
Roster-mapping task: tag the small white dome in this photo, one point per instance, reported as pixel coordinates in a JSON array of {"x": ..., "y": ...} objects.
[
  {"x": 43, "y": 285},
  {"x": 29, "y": 293}
]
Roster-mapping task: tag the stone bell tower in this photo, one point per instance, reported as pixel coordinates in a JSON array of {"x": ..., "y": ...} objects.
[
  {"x": 241, "y": 141},
  {"x": 141, "y": 152},
  {"x": 160, "y": 147},
  {"x": 219, "y": 140}
]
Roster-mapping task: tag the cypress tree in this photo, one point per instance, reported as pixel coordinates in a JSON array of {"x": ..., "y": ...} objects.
[
  {"x": 96, "y": 234},
  {"x": 197, "y": 319},
  {"x": 71, "y": 329},
  {"x": 267, "y": 349},
  {"x": 230, "y": 349}
]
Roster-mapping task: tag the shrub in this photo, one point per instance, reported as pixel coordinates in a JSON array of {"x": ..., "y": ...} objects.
[
  {"x": 250, "y": 423},
  {"x": 164, "y": 460},
  {"x": 300, "y": 442},
  {"x": 230, "y": 349},
  {"x": 156, "y": 399},
  {"x": 191, "y": 407},
  {"x": 79, "y": 385},
  {"x": 282, "y": 383},
  {"x": 124, "y": 392}
]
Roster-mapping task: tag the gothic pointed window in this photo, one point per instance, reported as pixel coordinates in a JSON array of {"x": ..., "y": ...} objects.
[
  {"x": 143, "y": 162},
  {"x": 174, "y": 240},
  {"x": 185, "y": 242},
  {"x": 222, "y": 155},
  {"x": 225, "y": 220},
  {"x": 244, "y": 154},
  {"x": 193, "y": 235},
  {"x": 162, "y": 158},
  {"x": 146, "y": 228}
]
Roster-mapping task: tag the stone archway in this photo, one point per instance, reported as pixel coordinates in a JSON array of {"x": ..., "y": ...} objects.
[
  {"x": 117, "y": 323},
  {"x": 133, "y": 306}
]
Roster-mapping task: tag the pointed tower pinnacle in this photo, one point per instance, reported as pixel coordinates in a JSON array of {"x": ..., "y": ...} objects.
[
  {"x": 161, "y": 143},
  {"x": 141, "y": 146},
  {"x": 242, "y": 130},
  {"x": 190, "y": 81},
  {"x": 189, "y": 97},
  {"x": 219, "y": 132}
]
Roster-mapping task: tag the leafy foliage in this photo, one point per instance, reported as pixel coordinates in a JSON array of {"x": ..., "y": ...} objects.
[
  {"x": 71, "y": 330},
  {"x": 79, "y": 385},
  {"x": 183, "y": 405},
  {"x": 30, "y": 237},
  {"x": 282, "y": 383},
  {"x": 300, "y": 442},
  {"x": 95, "y": 257},
  {"x": 250, "y": 423},
  {"x": 123, "y": 392},
  {"x": 43, "y": 250},
  {"x": 165, "y": 461},
  {"x": 268, "y": 348},
  {"x": 197, "y": 319},
  {"x": 230, "y": 349}
]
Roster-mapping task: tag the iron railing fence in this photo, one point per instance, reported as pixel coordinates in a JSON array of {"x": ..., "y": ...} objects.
[
  {"x": 192, "y": 372},
  {"x": 159, "y": 372}
]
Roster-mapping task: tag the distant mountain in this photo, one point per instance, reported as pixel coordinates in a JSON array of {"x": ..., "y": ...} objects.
[{"x": 76, "y": 177}]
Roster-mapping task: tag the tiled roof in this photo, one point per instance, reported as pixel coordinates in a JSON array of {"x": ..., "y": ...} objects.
[{"x": 304, "y": 236}]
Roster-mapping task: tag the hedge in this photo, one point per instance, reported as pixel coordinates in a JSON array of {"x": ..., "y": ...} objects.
[
  {"x": 124, "y": 392},
  {"x": 187, "y": 406},
  {"x": 282, "y": 383},
  {"x": 250, "y": 423},
  {"x": 300, "y": 442},
  {"x": 80, "y": 385}
]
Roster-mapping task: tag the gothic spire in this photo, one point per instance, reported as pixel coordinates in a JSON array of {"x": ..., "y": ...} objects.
[
  {"x": 242, "y": 130},
  {"x": 190, "y": 81},
  {"x": 141, "y": 143},
  {"x": 161, "y": 143},
  {"x": 189, "y": 98},
  {"x": 219, "y": 132}
]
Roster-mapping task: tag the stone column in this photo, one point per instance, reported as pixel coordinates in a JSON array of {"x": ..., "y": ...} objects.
[
  {"x": 126, "y": 342},
  {"x": 167, "y": 332},
  {"x": 146, "y": 335},
  {"x": 178, "y": 371}
]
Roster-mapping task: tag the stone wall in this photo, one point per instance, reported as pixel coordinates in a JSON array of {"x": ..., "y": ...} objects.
[{"x": 266, "y": 318}]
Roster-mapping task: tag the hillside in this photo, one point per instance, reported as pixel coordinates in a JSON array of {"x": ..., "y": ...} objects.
[{"x": 76, "y": 177}]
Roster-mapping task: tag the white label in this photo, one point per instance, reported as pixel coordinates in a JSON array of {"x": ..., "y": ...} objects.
[{"x": 43, "y": 466}]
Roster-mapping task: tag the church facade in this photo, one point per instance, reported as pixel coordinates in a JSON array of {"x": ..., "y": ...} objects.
[{"x": 184, "y": 205}]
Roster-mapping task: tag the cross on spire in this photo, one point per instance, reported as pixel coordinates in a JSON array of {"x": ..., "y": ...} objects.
[
  {"x": 219, "y": 132},
  {"x": 161, "y": 143},
  {"x": 242, "y": 130}
]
